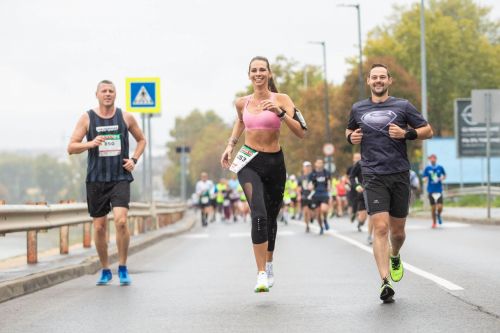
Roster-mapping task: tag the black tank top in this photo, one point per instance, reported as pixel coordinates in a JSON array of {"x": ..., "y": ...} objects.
[{"x": 105, "y": 163}]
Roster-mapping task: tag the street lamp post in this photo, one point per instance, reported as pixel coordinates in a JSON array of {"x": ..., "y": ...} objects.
[
  {"x": 360, "y": 48},
  {"x": 328, "y": 137},
  {"x": 423, "y": 66}
]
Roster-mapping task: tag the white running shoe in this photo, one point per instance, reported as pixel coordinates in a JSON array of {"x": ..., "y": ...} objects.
[
  {"x": 270, "y": 274},
  {"x": 262, "y": 285}
]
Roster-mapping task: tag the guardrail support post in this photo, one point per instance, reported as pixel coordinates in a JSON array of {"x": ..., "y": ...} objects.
[
  {"x": 64, "y": 239},
  {"x": 32, "y": 246},
  {"x": 87, "y": 235}
]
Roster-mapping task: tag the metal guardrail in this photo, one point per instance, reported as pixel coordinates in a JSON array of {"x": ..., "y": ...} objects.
[
  {"x": 474, "y": 190},
  {"x": 34, "y": 218}
]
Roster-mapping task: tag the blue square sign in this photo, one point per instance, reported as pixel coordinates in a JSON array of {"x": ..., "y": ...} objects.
[{"x": 143, "y": 94}]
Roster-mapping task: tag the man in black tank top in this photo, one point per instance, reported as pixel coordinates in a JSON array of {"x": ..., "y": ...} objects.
[{"x": 109, "y": 172}]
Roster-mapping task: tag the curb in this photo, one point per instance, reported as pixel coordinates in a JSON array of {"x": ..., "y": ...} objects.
[
  {"x": 462, "y": 219},
  {"x": 38, "y": 281}
]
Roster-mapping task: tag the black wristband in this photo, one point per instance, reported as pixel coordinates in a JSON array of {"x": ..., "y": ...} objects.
[
  {"x": 282, "y": 114},
  {"x": 349, "y": 138},
  {"x": 134, "y": 160},
  {"x": 411, "y": 134}
]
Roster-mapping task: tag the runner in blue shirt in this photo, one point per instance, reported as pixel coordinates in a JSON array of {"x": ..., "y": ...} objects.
[{"x": 434, "y": 175}]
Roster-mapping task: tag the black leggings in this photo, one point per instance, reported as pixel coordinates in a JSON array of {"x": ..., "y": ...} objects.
[{"x": 263, "y": 181}]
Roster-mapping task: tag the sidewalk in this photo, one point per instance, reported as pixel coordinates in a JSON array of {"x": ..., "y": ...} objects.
[
  {"x": 24, "y": 279},
  {"x": 464, "y": 214}
]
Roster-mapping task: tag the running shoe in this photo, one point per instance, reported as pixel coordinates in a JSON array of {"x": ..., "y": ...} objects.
[
  {"x": 270, "y": 274},
  {"x": 123, "y": 275},
  {"x": 353, "y": 217},
  {"x": 359, "y": 227},
  {"x": 327, "y": 226},
  {"x": 434, "y": 226},
  {"x": 369, "y": 239},
  {"x": 307, "y": 229},
  {"x": 396, "y": 268},
  {"x": 321, "y": 231},
  {"x": 106, "y": 277},
  {"x": 386, "y": 291},
  {"x": 262, "y": 285},
  {"x": 440, "y": 221}
]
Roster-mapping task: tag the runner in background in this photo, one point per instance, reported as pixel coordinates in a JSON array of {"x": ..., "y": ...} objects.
[
  {"x": 203, "y": 189},
  {"x": 434, "y": 175},
  {"x": 234, "y": 196},
  {"x": 304, "y": 196},
  {"x": 320, "y": 179}
]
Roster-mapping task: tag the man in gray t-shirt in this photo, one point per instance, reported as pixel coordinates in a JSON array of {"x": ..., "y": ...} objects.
[{"x": 381, "y": 124}]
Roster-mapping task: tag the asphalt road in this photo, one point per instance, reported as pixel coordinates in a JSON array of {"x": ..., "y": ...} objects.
[{"x": 203, "y": 281}]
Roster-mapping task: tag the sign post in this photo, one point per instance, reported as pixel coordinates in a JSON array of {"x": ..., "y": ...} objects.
[
  {"x": 143, "y": 96},
  {"x": 483, "y": 104}
]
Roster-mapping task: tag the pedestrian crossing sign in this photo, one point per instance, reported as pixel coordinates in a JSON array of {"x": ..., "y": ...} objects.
[{"x": 143, "y": 94}]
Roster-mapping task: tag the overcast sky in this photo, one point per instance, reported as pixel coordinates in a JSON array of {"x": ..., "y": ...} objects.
[{"x": 54, "y": 52}]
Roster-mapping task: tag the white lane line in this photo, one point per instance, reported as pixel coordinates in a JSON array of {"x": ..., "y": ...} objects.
[
  {"x": 426, "y": 275},
  {"x": 196, "y": 236}
]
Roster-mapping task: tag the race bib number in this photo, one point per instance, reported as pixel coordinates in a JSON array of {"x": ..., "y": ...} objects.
[
  {"x": 242, "y": 158},
  {"x": 112, "y": 146},
  {"x": 226, "y": 203},
  {"x": 204, "y": 200}
]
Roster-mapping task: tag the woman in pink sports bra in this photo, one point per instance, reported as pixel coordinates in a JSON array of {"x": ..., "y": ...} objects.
[{"x": 261, "y": 115}]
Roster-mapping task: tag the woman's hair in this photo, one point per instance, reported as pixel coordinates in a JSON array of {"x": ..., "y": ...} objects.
[{"x": 270, "y": 84}]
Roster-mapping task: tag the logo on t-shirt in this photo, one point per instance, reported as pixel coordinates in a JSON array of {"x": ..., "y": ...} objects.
[{"x": 378, "y": 120}]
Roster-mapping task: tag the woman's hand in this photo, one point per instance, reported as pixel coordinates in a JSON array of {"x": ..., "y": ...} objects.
[
  {"x": 269, "y": 105},
  {"x": 226, "y": 157}
]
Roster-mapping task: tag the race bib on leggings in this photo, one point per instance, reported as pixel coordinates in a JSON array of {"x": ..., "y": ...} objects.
[{"x": 242, "y": 158}]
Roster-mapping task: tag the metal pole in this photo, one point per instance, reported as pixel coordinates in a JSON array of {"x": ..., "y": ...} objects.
[
  {"x": 360, "y": 74},
  {"x": 328, "y": 138},
  {"x": 183, "y": 173},
  {"x": 487, "y": 104},
  {"x": 423, "y": 65},
  {"x": 150, "y": 162},
  {"x": 144, "y": 160}
]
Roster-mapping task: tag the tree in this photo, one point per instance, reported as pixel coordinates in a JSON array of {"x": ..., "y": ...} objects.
[
  {"x": 205, "y": 133},
  {"x": 463, "y": 52}
]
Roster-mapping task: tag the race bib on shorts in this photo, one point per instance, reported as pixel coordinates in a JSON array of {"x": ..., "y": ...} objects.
[
  {"x": 112, "y": 146},
  {"x": 204, "y": 200},
  {"x": 242, "y": 158},
  {"x": 226, "y": 203}
]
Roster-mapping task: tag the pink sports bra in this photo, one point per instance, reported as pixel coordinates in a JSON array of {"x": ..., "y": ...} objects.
[{"x": 265, "y": 119}]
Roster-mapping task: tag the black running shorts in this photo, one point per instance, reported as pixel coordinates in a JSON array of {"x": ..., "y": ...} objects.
[
  {"x": 436, "y": 198},
  {"x": 101, "y": 197},
  {"x": 387, "y": 193}
]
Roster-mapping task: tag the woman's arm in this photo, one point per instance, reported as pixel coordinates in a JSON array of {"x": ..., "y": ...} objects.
[{"x": 238, "y": 129}]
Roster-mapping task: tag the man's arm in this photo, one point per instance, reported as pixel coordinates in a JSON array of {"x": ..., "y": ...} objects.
[
  {"x": 76, "y": 146},
  {"x": 136, "y": 132}
]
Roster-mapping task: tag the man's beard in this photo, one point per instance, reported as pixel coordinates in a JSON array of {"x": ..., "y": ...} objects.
[{"x": 379, "y": 94}]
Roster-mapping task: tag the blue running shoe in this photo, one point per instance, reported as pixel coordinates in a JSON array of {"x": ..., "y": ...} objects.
[
  {"x": 123, "y": 275},
  {"x": 106, "y": 277},
  {"x": 321, "y": 231},
  {"x": 327, "y": 226},
  {"x": 440, "y": 221}
]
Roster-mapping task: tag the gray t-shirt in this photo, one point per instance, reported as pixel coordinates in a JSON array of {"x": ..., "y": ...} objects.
[{"x": 380, "y": 154}]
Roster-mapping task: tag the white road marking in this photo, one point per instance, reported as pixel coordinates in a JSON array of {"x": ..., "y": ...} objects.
[{"x": 426, "y": 275}]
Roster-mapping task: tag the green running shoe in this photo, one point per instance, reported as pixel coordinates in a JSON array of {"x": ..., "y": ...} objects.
[
  {"x": 386, "y": 291},
  {"x": 396, "y": 268}
]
